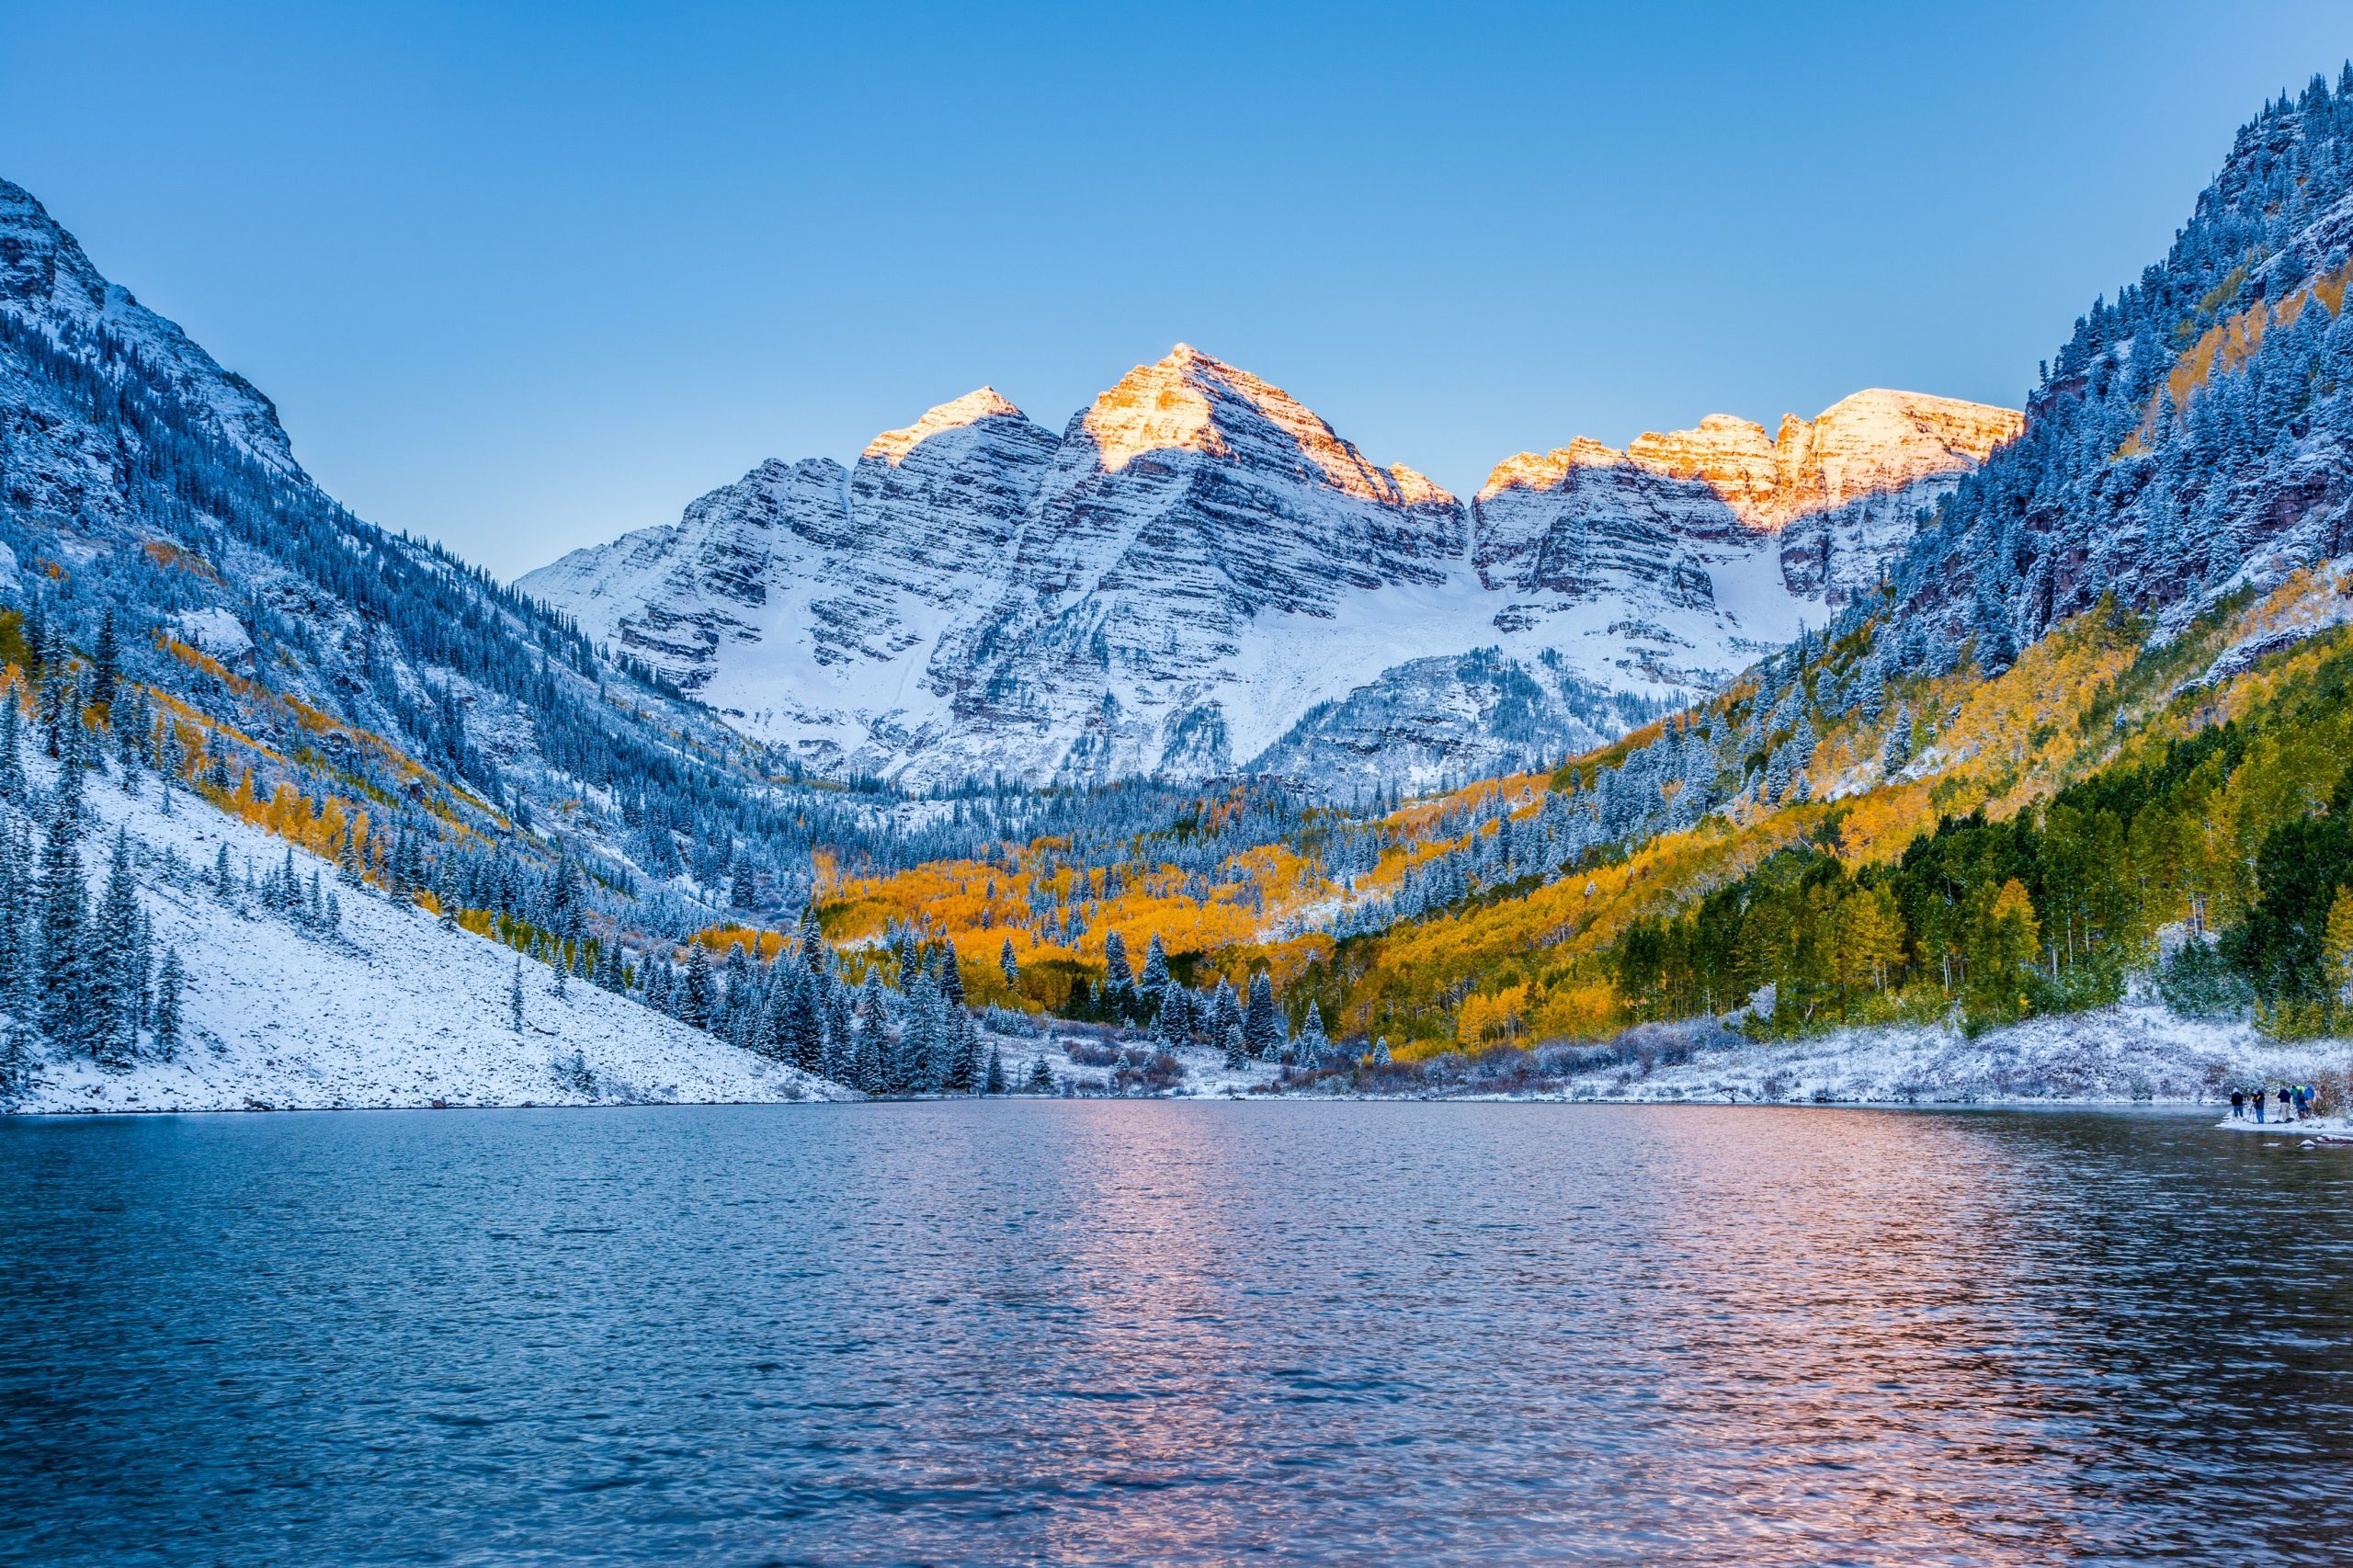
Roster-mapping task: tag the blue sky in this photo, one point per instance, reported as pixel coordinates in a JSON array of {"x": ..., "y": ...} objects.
[{"x": 521, "y": 279}]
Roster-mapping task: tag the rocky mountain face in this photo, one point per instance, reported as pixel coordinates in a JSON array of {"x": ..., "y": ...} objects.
[
  {"x": 45, "y": 277},
  {"x": 2194, "y": 437},
  {"x": 142, "y": 483},
  {"x": 1827, "y": 499},
  {"x": 1200, "y": 575}
]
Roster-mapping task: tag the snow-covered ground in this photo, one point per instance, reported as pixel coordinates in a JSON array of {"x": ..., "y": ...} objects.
[
  {"x": 390, "y": 1010},
  {"x": 2112, "y": 1055},
  {"x": 2320, "y": 1128},
  {"x": 1206, "y": 1073}
]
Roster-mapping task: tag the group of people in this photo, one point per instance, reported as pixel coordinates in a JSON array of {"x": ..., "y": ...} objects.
[{"x": 2295, "y": 1102}]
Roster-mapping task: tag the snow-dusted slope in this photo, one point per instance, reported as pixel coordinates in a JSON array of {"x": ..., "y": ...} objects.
[
  {"x": 803, "y": 599},
  {"x": 45, "y": 276},
  {"x": 1203, "y": 562},
  {"x": 1200, "y": 575},
  {"x": 391, "y": 1010}
]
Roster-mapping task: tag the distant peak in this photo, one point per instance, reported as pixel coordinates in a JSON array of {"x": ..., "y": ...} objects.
[
  {"x": 893, "y": 446},
  {"x": 1190, "y": 400},
  {"x": 1875, "y": 440},
  {"x": 1416, "y": 488}
]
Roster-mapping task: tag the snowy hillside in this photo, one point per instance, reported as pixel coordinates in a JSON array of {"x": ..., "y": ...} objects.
[
  {"x": 2120, "y": 1054},
  {"x": 389, "y": 1007},
  {"x": 2192, "y": 435},
  {"x": 1200, "y": 576}
]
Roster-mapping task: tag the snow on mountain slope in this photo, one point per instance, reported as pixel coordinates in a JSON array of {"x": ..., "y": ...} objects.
[
  {"x": 1201, "y": 575},
  {"x": 44, "y": 275},
  {"x": 1196, "y": 528},
  {"x": 801, "y": 598},
  {"x": 391, "y": 1010}
]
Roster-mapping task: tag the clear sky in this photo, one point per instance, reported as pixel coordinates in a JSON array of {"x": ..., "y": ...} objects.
[{"x": 522, "y": 279}]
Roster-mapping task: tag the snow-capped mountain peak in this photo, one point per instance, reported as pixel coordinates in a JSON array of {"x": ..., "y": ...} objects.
[
  {"x": 1190, "y": 400},
  {"x": 1865, "y": 444},
  {"x": 893, "y": 446},
  {"x": 1201, "y": 573}
]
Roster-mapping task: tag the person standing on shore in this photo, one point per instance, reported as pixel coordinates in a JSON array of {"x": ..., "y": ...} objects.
[
  {"x": 2238, "y": 1103},
  {"x": 2261, "y": 1094}
]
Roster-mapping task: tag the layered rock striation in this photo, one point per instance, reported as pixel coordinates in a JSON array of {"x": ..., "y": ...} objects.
[{"x": 1198, "y": 574}]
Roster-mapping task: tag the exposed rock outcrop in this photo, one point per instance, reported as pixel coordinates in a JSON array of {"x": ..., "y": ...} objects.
[{"x": 1200, "y": 568}]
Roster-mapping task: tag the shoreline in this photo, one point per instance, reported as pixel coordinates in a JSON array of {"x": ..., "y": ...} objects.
[{"x": 2335, "y": 1132}]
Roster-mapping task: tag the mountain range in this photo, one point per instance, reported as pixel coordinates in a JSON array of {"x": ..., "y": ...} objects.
[
  {"x": 1199, "y": 576},
  {"x": 1915, "y": 712}
]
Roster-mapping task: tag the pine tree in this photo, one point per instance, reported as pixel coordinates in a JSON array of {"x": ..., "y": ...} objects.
[
  {"x": 1009, "y": 967},
  {"x": 695, "y": 993},
  {"x": 64, "y": 953},
  {"x": 1261, "y": 1022},
  {"x": 962, "y": 1074},
  {"x": 168, "y": 982},
  {"x": 224, "y": 880},
  {"x": 995, "y": 1083},
  {"x": 1154, "y": 979},
  {"x": 1313, "y": 1041},
  {"x": 12, "y": 748},
  {"x": 1119, "y": 977},
  {"x": 515, "y": 997},
  {"x": 1897, "y": 754},
  {"x": 106, "y": 663},
  {"x": 1041, "y": 1078},
  {"x": 1225, "y": 1013},
  {"x": 808, "y": 1023},
  {"x": 115, "y": 984},
  {"x": 870, "y": 1071}
]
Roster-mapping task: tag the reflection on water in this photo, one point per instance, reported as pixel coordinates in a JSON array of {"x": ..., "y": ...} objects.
[{"x": 1153, "y": 1331}]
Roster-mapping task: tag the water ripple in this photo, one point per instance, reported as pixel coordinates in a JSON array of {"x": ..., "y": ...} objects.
[{"x": 1106, "y": 1332}]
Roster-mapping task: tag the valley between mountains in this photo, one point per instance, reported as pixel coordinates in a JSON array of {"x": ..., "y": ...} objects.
[{"x": 1917, "y": 750}]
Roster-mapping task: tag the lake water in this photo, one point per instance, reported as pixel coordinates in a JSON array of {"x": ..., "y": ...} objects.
[{"x": 1171, "y": 1332}]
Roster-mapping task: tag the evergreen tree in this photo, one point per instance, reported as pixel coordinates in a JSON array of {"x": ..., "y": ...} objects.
[
  {"x": 695, "y": 997},
  {"x": 1897, "y": 754},
  {"x": 995, "y": 1083},
  {"x": 116, "y": 985},
  {"x": 1118, "y": 977},
  {"x": 1009, "y": 967},
  {"x": 168, "y": 982},
  {"x": 1041, "y": 1078},
  {"x": 12, "y": 748},
  {"x": 16, "y": 1060},
  {"x": 870, "y": 1070},
  {"x": 1313, "y": 1042},
  {"x": 1261, "y": 1022},
  {"x": 1225, "y": 1013},
  {"x": 808, "y": 1023},
  {"x": 1154, "y": 979},
  {"x": 515, "y": 997},
  {"x": 106, "y": 663},
  {"x": 962, "y": 1074},
  {"x": 65, "y": 951}
]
